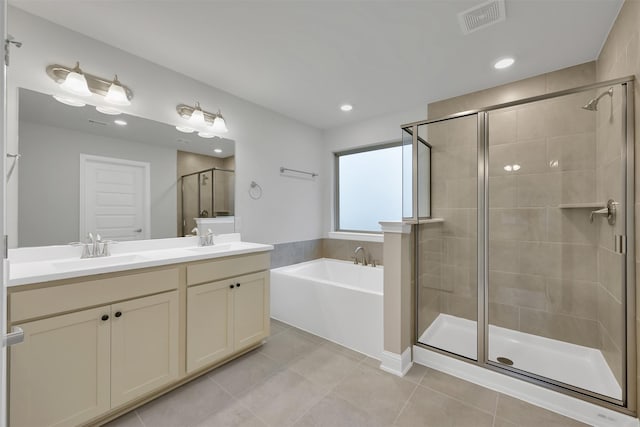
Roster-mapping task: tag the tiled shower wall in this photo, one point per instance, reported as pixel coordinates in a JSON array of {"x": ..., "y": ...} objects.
[
  {"x": 620, "y": 56},
  {"x": 544, "y": 259},
  {"x": 296, "y": 252}
]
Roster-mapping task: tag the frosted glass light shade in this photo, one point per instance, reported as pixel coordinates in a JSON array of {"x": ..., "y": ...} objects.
[
  {"x": 206, "y": 135},
  {"x": 76, "y": 83},
  {"x": 197, "y": 118},
  {"x": 219, "y": 125},
  {"x": 69, "y": 101},
  {"x": 116, "y": 94}
]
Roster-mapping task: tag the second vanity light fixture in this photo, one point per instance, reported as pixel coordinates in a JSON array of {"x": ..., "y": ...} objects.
[
  {"x": 78, "y": 83},
  {"x": 211, "y": 123}
]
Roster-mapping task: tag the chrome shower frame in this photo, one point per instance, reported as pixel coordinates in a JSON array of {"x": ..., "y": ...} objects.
[{"x": 628, "y": 403}]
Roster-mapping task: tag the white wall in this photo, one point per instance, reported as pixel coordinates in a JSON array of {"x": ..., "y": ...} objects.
[
  {"x": 289, "y": 209},
  {"x": 49, "y": 204},
  {"x": 378, "y": 130}
]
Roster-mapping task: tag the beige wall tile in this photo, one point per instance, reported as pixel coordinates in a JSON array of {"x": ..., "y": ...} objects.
[
  {"x": 575, "y": 298},
  {"x": 571, "y": 226},
  {"x": 560, "y": 327},
  {"x": 520, "y": 290},
  {"x": 571, "y": 77},
  {"x": 502, "y": 127},
  {"x": 572, "y": 152},
  {"x": 577, "y": 187},
  {"x": 505, "y": 316}
]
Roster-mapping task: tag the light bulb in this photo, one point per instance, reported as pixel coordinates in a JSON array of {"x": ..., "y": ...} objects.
[
  {"x": 76, "y": 83},
  {"x": 219, "y": 125},
  {"x": 116, "y": 94}
]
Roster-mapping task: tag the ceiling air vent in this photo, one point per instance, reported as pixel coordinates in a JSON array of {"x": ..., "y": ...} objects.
[{"x": 482, "y": 16}]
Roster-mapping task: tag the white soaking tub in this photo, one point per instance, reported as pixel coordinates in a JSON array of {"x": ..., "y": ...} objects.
[{"x": 337, "y": 300}]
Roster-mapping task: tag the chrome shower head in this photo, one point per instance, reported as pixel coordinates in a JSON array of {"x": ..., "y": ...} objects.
[{"x": 592, "y": 105}]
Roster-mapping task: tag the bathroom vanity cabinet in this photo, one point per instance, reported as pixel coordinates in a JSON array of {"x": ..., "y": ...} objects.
[{"x": 98, "y": 346}]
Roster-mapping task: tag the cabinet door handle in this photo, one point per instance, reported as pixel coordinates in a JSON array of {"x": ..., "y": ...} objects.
[
  {"x": 118, "y": 313},
  {"x": 231, "y": 286},
  {"x": 238, "y": 284},
  {"x": 105, "y": 317}
]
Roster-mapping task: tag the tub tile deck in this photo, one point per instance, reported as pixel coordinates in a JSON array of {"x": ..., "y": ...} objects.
[{"x": 297, "y": 379}]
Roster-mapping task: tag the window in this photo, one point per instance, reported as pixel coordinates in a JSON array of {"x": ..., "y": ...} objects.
[{"x": 369, "y": 187}]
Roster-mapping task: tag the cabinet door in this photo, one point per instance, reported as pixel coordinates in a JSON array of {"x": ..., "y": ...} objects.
[
  {"x": 250, "y": 310},
  {"x": 59, "y": 376},
  {"x": 209, "y": 323},
  {"x": 144, "y": 345}
]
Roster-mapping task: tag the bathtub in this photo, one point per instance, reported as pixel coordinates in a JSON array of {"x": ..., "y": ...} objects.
[{"x": 337, "y": 300}]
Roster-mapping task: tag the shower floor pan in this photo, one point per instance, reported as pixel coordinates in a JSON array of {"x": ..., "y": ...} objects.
[{"x": 579, "y": 366}]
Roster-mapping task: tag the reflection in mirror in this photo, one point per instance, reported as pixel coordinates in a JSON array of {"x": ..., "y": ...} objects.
[{"x": 80, "y": 171}]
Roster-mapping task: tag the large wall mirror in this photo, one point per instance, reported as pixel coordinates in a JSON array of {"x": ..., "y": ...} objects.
[{"x": 124, "y": 177}]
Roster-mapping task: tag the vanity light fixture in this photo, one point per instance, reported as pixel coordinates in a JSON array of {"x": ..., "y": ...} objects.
[
  {"x": 213, "y": 123},
  {"x": 77, "y": 82},
  {"x": 69, "y": 101},
  {"x": 108, "y": 110}
]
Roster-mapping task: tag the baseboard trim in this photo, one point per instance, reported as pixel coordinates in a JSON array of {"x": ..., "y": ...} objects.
[{"x": 396, "y": 364}]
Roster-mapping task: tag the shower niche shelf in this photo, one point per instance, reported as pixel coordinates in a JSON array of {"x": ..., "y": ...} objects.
[{"x": 591, "y": 205}]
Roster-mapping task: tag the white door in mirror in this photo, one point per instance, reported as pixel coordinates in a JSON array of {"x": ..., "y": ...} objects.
[{"x": 114, "y": 198}]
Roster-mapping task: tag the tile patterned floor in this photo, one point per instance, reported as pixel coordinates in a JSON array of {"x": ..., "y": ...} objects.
[{"x": 298, "y": 379}]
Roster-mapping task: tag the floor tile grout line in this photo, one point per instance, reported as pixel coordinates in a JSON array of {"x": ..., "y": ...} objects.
[
  {"x": 139, "y": 418},
  {"x": 395, "y": 420},
  {"x": 330, "y": 389},
  {"x": 239, "y": 401},
  {"x": 459, "y": 400}
]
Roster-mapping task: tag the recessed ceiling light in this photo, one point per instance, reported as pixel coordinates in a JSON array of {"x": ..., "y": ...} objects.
[
  {"x": 108, "y": 110},
  {"x": 69, "y": 101},
  {"x": 217, "y": 150},
  {"x": 120, "y": 122},
  {"x": 503, "y": 63},
  {"x": 346, "y": 107}
]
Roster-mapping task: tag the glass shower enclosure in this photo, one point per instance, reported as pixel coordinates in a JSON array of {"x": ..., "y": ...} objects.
[
  {"x": 206, "y": 194},
  {"x": 521, "y": 261}
]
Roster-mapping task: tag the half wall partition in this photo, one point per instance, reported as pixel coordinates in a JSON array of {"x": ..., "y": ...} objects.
[{"x": 522, "y": 264}]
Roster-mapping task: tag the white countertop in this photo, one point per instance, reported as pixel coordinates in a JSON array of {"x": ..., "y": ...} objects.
[{"x": 47, "y": 263}]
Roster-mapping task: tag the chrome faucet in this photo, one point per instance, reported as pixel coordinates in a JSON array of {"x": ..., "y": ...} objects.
[
  {"x": 206, "y": 239},
  {"x": 364, "y": 258},
  {"x": 94, "y": 247}
]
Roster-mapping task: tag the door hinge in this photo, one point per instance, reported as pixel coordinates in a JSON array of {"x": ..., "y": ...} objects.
[
  {"x": 7, "y": 44},
  {"x": 620, "y": 244}
]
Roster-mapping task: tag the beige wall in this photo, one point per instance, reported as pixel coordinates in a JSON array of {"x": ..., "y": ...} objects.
[
  {"x": 542, "y": 269},
  {"x": 620, "y": 57}
]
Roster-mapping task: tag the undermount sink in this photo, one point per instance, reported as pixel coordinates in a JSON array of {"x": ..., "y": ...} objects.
[
  {"x": 213, "y": 248},
  {"x": 77, "y": 264}
]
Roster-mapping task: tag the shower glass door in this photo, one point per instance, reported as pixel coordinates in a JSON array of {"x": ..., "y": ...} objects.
[
  {"x": 447, "y": 237},
  {"x": 556, "y": 220}
]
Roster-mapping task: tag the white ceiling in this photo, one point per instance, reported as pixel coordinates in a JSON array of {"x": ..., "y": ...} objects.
[{"x": 306, "y": 58}]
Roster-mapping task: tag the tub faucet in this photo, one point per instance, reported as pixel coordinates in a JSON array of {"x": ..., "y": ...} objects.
[{"x": 364, "y": 258}]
